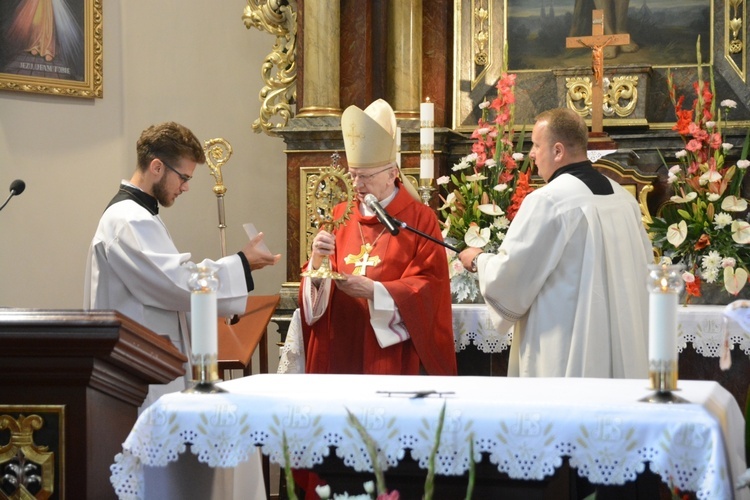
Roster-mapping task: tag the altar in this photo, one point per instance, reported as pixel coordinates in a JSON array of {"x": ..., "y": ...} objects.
[{"x": 526, "y": 428}]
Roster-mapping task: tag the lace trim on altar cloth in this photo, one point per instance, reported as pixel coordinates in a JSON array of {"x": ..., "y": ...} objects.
[{"x": 529, "y": 446}]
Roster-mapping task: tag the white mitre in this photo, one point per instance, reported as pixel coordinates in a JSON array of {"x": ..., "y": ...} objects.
[{"x": 370, "y": 138}]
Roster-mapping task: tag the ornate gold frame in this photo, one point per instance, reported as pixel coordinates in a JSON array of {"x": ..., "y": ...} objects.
[{"x": 91, "y": 86}]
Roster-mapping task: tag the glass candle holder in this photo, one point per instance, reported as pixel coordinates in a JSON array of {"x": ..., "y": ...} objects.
[
  {"x": 664, "y": 286},
  {"x": 204, "y": 341}
]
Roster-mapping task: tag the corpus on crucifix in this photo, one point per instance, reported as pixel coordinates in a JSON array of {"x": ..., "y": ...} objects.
[{"x": 596, "y": 42}]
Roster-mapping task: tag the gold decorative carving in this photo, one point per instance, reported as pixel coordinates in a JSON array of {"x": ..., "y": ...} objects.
[
  {"x": 735, "y": 31},
  {"x": 620, "y": 96},
  {"x": 279, "y": 69},
  {"x": 26, "y": 466},
  {"x": 480, "y": 32}
]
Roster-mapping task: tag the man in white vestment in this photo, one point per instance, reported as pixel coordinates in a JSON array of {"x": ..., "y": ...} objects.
[
  {"x": 571, "y": 272},
  {"x": 133, "y": 265}
]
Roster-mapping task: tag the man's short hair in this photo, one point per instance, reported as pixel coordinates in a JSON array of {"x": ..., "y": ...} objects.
[
  {"x": 169, "y": 142},
  {"x": 566, "y": 126}
]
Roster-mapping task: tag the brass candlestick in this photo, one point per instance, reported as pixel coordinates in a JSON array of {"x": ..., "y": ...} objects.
[{"x": 331, "y": 187}]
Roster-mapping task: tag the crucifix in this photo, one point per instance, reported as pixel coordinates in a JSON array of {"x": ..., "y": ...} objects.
[
  {"x": 596, "y": 42},
  {"x": 362, "y": 260}
]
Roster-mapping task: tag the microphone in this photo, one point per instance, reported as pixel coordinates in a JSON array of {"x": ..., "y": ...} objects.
[
  {"x": 383, "y": 217},
  {"x": 16, "y": 187}
]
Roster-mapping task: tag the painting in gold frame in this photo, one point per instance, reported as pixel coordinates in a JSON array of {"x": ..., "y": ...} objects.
[{"x": 51, "y": 47}]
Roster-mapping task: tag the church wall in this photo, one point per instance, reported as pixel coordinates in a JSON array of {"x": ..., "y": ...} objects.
[{"x": 192, "y": 61}]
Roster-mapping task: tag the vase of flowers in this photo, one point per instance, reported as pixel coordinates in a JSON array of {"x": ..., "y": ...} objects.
[
  {"x": 482, "y": 195},
  {"x": 705, "y": 224}
]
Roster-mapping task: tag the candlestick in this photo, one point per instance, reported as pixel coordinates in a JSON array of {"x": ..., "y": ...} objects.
[
  {"x": 664, "y": 285},
  {"x": 204, "y": 341}
]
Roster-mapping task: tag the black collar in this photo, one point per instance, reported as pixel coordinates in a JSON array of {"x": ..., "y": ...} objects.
[
  {"x": 586, "y": 173},
  {"x": 142, "y": 198}
]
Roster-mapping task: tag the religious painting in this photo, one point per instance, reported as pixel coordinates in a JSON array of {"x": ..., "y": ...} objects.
[
  {"x": 662, "y": 32},
  {"x": 51, "y": 47},
  {"x": 528, "y": 38}
]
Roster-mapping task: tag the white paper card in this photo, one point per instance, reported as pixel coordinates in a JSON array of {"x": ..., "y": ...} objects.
[{"x": 252, "y": 233}]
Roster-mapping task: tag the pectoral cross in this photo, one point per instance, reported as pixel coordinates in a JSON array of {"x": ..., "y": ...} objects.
[
  {"x": 362, "y": 260},
  {"x": 596, "y": 42}
]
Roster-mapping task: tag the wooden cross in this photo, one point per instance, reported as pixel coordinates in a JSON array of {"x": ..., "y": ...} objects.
[
  {"x": 362, "y": 260},
  {"x": 596, "y": 42}
]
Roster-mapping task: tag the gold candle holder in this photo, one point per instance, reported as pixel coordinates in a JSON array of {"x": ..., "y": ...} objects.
[{"x": 664, "y": 285}]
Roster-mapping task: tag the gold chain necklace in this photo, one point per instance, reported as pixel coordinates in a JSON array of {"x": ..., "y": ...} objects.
[{"x": 363, "y": 260}]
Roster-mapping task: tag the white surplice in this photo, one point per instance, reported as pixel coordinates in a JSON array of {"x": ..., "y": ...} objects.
[
  {"x": 134, "y": 267},
  {"x": 571, "y": 274}
]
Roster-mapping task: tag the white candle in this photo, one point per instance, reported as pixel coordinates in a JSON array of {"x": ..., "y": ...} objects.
[
  {"x": 662, "y": 326},
  {"x": 203, "y": 324},
  {"x": 427, "y": 158},
  {"x": 427, "y": 114},
  {"x": 398, "y": 146}
]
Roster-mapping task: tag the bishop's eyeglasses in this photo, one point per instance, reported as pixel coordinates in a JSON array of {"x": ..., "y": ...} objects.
[{"x": 366, "y": 178}]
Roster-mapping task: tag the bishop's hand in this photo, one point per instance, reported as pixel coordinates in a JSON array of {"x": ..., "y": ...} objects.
[
  {"x": 323, "y": 244},
  {"x": 356, "y": 286}
]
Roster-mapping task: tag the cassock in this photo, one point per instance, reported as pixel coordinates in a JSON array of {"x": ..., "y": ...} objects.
[
  {"x": 134, "y": 267},
  {"x": 571, "y": 276},
  {"x": 414, "y": 271}
]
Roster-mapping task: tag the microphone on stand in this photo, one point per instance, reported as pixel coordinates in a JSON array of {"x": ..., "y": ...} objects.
[
  {"x": 16, "y": 187},
  {"x": 372, "y": 203}
]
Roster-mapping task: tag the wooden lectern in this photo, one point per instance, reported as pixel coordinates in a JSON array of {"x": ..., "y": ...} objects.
[
  {"x": 71, "y": 383},
  {"x": 238, "y": 342}
]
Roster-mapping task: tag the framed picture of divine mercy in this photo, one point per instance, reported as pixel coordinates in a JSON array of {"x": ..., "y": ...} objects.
[
  {"x": 51, "y": 47},
  {"x": 532, "y": 34}
]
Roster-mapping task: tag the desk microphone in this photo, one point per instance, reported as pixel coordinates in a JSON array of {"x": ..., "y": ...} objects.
[
  {"x": 16, "y": 187},
  {"x": 383, "y": 217}
]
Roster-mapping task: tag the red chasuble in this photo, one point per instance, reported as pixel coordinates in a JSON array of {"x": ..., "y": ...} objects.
[{"x": 414, "y": 270}]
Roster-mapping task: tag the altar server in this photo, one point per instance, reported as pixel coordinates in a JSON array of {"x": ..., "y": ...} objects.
[
  {"x": 133, "y": 265},
  {"x": 571, "y": 271},
  {"x": 392, "y": 315}
]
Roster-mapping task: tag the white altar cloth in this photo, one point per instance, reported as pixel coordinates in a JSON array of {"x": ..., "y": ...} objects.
[
  {"x": 699, "y": 325},
  {"x": 525, "y": 425}
]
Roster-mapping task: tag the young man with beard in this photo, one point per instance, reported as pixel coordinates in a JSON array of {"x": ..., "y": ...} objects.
[{"x": 133, "y": 265}]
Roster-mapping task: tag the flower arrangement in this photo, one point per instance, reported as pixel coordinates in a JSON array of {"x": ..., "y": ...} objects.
[
  {"x": 705, "y": 226},
  {"x": 487, "y": 187}
]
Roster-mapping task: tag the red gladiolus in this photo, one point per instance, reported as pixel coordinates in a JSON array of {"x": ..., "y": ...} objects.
[
  {"x": 702, "y": 242},
  {"x": 694, "y": 288}
]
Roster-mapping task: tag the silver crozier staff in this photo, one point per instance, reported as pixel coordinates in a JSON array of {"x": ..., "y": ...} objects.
[{"x": 218, "y": 152}]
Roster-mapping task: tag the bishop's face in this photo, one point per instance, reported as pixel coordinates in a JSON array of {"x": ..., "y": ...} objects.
[
  {"x": 175, "y": 180},
  {"x": 545, "y": 153},
  {"x": 380, "y": 181}
]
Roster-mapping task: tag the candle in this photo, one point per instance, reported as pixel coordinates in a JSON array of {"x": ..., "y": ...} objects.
[
  {"x": 427, "y": 139},
  {"x": 427, "y": 114},
  {"x": 203, "y": 324},
  {"x": 662, "y": 326}
]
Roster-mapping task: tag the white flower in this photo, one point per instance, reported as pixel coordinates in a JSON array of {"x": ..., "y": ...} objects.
[
  {"x": 713, "y": 196},
  {"x": 688, "y": 277},
  {"x": 728, "y": 103},
  {"x": 676, "y": 233},
  {"x": 449, "y": 201},
  {"x": 671, "y": 178},
  {"x": 685, "y": 199},
  {"x": 712, "y": 260},
  {"x": 722, "y": 219},
  {"x": 734, "y": 204},
  {"x": 443, "y": 180},
  {"x": 491, "y": 209},
  {"x": 710, "y": 124},
  {"x": 743, "y": 164},
  {"x": 483, "y": 131},
  {"x": 726, "y": 146},
  {"x": 501, "y": 222},
  {"x": 484, "y": 104},
  {"x": 500, "y": 188},
  {"x": 475, "y": 237},
  {"x": 741, "y": 232},
  {"x": 710, "y": 176},
  {"x": 710, "y": 275},
  {"x": 518, "y": 156},
  {"x": 490, "y": 162},
  {"x": 680, "y": 154},
  {"x": 728, "y": 262},
  {"x": 323, "y": 491},
  {"x": 463, "y": 164},
  {"x": 476, "y": 177},
  {"x": 369, "y": 487},
  {"x": 675, "y": 169}
]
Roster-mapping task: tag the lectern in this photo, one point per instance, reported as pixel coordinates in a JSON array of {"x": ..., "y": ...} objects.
[{"x": 71, "y": 383}]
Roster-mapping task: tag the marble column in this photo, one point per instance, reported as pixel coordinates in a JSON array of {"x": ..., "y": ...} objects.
[
  {"x": 404, "y": 61},
  {"x": 320, "y": 83}
]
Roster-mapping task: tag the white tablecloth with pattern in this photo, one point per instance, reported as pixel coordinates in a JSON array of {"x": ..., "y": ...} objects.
[
  {"x": 525, "y": 426},
  {"x": 701, "y": 326}
]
